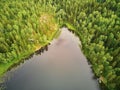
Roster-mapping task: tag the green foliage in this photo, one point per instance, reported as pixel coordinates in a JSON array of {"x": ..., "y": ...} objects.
[
  {"x": 96, "y": 22},
  {"x": 21, "y": 31}
]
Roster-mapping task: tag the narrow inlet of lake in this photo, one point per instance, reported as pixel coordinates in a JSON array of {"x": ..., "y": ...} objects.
[{"x": 62, "y": 67}]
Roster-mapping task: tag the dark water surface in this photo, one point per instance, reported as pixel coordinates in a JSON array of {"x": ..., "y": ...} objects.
[{"x": 62, "y": 67}]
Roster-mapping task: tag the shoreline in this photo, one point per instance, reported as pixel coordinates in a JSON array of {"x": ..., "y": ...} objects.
[{"x": 8, "y": 66}]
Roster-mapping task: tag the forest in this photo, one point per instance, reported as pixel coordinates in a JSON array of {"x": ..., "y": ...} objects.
[
  {"x": 23, "y": 30},
  {"x": 26, "y": 25}
]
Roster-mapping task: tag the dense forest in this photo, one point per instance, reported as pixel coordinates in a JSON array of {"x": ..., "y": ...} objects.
[
  {"x": 28, "y": 24},
  {"x": 24, "y": 27}
]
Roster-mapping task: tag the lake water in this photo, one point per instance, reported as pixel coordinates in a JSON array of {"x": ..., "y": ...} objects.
[{"x": 62, "y": 67}]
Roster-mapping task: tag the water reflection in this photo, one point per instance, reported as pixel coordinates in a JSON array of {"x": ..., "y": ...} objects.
[{"x": 62, "y": 67}]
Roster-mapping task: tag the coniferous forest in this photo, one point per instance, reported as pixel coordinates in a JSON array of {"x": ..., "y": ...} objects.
[{"x": 27, "y": 25}]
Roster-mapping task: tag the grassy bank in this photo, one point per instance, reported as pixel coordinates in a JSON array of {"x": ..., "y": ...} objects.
[
  {"x": 23, "y": 30},
  {"x": 25, "y": 55}
]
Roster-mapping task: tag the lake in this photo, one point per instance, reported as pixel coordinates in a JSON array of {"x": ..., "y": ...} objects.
[{"x": 62, "y": 67}]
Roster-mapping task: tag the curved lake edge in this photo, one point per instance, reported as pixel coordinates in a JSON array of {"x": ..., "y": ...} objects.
[
  {"x": 25, "y": 56},
  {"x": 45, "y": 48},
  {"x": 72, "y": 29},
  {"x": 76, "y": 33}
]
